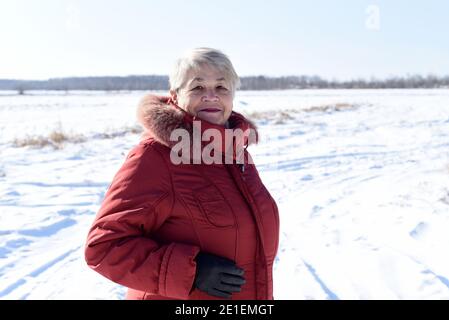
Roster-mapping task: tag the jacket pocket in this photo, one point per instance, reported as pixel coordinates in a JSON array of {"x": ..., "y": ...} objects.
[{"x": 214, "y": 207}]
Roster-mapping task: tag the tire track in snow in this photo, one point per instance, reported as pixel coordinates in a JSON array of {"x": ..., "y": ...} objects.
[
  {"x": 49, "y": 230},
  {"x": 331, "y": 295},
  {"x": 36, "y": 272},
  {"x": 428, "y": 270}
]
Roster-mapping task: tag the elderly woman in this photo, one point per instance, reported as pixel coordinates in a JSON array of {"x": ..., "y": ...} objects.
[{"x": 182, "y": 224}]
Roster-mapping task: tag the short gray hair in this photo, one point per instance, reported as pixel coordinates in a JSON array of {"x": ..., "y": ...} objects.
[{"x": 195, "y": 59}]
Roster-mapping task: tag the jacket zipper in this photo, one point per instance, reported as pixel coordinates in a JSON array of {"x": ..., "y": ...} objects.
[{"x": 250, "y": 201}]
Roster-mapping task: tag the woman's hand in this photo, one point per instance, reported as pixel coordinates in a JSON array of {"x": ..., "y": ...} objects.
[{"x": 217, "y": 276}]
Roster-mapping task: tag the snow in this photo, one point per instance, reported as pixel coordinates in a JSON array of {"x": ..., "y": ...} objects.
[{"x": 363, "y": 192}]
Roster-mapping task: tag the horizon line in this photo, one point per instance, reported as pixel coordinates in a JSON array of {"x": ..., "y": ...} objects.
[{"x": 333, "y": 79}]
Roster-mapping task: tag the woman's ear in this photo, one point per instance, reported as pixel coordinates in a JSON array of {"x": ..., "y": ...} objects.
[{"x": 174, "y": 96}]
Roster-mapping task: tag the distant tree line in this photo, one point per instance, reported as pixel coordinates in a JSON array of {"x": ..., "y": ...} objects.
[
  {"x": 316, "y": 82},
  {"x": 89, "y": 83},
  {"x": 157, "y": 82}
]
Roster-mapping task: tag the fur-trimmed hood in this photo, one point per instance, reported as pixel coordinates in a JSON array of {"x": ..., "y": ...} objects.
[{"x": 159, "y": 116}]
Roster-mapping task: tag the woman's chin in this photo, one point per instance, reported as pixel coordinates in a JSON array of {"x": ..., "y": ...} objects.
[{"x": 212, "y": 118}]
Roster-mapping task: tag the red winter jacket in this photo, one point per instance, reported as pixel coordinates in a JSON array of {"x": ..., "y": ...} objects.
[{"x": 156, "y": 216}]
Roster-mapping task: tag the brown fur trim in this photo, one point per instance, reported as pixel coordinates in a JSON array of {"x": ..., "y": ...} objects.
[{"x": 159, "y": 119}]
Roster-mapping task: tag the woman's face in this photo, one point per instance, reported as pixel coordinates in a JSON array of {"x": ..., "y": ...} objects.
[{"x": 206, "y": 94}]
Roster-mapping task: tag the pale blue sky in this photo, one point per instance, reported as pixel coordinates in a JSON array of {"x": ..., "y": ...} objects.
[{"x": 343, "y": 39}]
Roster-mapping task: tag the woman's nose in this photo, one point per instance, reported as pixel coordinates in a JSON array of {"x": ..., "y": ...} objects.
[{"x": 210, "y": 95}]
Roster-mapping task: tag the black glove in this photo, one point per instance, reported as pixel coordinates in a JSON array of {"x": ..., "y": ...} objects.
[{"x": 217, "y": 276}]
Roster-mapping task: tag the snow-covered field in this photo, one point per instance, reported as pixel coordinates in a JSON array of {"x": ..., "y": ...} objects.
[{"x": 361, "y": 178}]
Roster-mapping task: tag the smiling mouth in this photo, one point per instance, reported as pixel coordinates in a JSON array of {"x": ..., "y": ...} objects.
[{"x": 210, "y": 110}]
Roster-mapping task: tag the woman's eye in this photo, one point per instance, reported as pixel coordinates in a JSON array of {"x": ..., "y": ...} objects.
[
  {"x": 197, "y": 88},
  {"x": 222, "y": 88}
]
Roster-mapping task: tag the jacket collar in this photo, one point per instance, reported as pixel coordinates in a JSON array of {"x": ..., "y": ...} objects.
[{"x": 159, "y": 116}]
